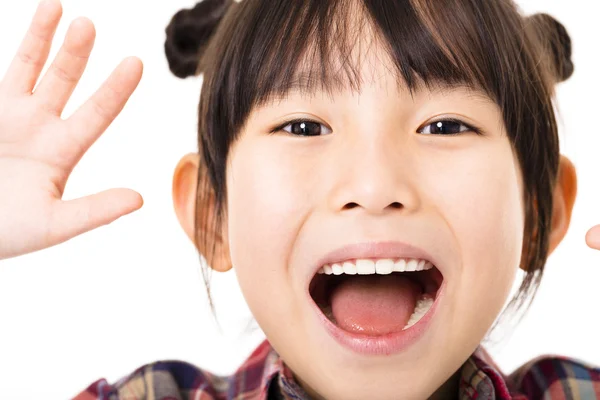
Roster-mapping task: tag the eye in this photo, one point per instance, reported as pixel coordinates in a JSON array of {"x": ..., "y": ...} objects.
[
  {"x": 448, "y": 127},
  {"x": 304, "y": 127}
]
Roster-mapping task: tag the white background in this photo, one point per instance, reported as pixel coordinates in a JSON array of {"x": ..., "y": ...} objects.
[{"x": 131, "y": 293}]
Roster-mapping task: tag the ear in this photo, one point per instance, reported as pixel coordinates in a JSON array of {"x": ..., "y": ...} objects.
[
  {"x": 185, "y": 186},
  {"x": 564, "y": 200}
]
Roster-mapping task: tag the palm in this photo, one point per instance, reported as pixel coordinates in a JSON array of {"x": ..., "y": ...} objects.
[{"x": 38, "y": 149}]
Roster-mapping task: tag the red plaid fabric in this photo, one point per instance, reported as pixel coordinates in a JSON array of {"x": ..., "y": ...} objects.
[{"x": 264, "y": 376}]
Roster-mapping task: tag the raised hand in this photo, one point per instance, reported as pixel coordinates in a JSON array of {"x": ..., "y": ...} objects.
[{"x": 38, "y": 149}]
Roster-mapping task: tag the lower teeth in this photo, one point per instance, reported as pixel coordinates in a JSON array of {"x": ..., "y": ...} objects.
[{"x": 423, "y": 305}]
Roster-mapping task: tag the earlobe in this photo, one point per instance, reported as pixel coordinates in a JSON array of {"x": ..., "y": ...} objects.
[
  {"x": 565, "y": 193},
  {"x": 185, "y": 186}
]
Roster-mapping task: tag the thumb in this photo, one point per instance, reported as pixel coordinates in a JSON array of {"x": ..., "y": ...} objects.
[{"x": 75, "y": 217}]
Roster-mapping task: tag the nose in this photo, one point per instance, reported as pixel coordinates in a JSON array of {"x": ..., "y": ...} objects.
[{"x": 376, "y": 175}]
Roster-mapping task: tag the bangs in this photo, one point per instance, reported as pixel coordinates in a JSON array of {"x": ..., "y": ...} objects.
[{"x": 317, "y": 45}]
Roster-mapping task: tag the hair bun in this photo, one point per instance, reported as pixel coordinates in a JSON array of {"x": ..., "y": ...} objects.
[
  {"x": 188, "y": 33},
  {"x": 556, "y": 43}
]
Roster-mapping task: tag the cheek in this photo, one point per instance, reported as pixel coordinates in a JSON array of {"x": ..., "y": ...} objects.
[
  {"x": 267, "y": 202},
  {"x": 482, "y": 203}
]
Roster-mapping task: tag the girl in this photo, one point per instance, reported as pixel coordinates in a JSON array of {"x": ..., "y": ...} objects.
[{"x": 375, "y": 176}]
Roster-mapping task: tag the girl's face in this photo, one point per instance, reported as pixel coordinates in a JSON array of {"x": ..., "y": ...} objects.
[{"x": 378, "y": 169}]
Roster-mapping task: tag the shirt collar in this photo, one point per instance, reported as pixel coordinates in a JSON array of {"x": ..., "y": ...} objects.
[
  {"x": 480, "y": 378},
  {"x": 278, "y": 373}
]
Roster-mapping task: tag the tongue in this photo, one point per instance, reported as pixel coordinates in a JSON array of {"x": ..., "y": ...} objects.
[{"x": 374, "y": 305}]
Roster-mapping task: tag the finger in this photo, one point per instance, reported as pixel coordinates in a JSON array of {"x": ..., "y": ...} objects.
[
  {"x": 97, "y": 113},
  {"x": 24, "y": 70},
  {"x": 64, "y": 73},
  {"x": 592, "y": 238},
  {"x": 74, "y": 217}
]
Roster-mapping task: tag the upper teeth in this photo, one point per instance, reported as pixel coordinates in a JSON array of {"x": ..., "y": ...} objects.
[{"x": 371, "y": 267}]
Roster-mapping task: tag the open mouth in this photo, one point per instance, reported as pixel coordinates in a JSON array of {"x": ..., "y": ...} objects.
[{"x": 376, "y": 298}]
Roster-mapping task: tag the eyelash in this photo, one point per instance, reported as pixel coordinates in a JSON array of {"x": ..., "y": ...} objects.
[
  {"x": 470, "y": 128},
  {"x": 295, "y": 121}
]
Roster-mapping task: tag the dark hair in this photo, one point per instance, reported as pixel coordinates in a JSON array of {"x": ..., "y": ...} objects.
[{"x": 254, "y": 51}]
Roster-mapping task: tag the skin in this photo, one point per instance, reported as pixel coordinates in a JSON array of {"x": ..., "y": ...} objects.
[
  {"x": 460, "y": 197},
  {"x": 39, "y": 148}
]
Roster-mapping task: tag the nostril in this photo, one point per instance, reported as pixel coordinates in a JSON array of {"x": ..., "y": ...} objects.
[{"x": 350, "y": 206}]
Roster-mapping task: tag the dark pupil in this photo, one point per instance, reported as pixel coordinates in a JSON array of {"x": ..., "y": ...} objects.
[
  {"x": 306, "y": 128},
  {"x": 445, "y": 127}
]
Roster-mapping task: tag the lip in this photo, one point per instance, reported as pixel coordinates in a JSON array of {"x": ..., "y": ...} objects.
[
  {"x": 392, "y": 343},
  {"x": 390, "y": 249},
  {"x": 386, "y": 344}
]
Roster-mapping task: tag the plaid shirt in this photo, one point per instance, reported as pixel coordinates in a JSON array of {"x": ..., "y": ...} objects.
[{"x": 264, "y": 376}]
